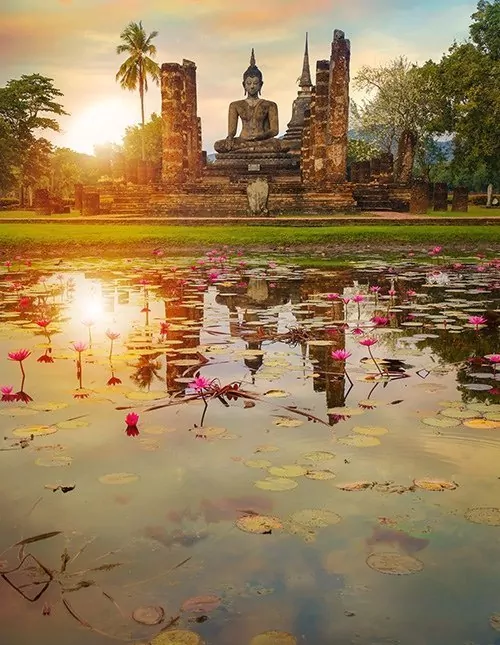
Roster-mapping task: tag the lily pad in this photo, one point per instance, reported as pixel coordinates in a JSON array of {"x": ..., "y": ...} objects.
[
  {"x": 356, "y": 486},
  {"x": 201, "y": 604},
  {"x": 177, "y": 637},
  {"x": 290, "y": 470},
  {"x": 118, "y": 478},
  {"x": 370, "y": 431},
  {"x": 489, "y": 516},
  {"x": 456, "y": 413},
  {"x": 318, "y": 455},
  {"x": 35, "y": 430},
  {"x": 276, "y": 484},
  {"x": 359, "y": 441},
  {"x": 287, "y": 422},
  {"x": 320, "y": 475},
  {"x": 257, "y": 463},
  {"x": 49, "y": 406},
  {"x": 346, "y": 412},
  {"x": 394, "y": 563},
  {"x": 482, "y": 424},
  {"x": 151, "y": 615},
  {"x": 273, "y": 637},
  {"x": 435, "y": 484},
  {"x": 276, "y": 394},
  {"x": 441, "y": 422},
  {"x": 258, "y": 523},
  {"x": 54, "y": 460},
  {"x": 315, "y": 518}
]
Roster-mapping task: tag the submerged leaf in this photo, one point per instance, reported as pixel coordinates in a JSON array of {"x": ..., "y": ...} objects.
[{"x": 37, "y": 538}]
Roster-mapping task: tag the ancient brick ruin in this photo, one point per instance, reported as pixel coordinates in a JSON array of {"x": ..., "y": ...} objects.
[{"x": 307, "y": 170}]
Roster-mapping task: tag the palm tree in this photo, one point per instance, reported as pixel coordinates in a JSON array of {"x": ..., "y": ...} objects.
[{"x": 133, "y": 73}]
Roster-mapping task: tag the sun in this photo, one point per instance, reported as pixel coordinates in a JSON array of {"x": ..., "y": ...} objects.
[{"x": 99, "y": 123}]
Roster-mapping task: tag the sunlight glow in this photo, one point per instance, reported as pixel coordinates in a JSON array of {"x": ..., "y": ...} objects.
[{"x": 102, "y": 122}]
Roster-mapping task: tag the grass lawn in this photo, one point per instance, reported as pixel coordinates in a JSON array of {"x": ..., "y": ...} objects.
[{"x": 95, "y": 238}]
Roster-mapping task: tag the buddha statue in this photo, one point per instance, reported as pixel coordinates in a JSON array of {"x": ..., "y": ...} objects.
[{"x": 259, "y": 119}]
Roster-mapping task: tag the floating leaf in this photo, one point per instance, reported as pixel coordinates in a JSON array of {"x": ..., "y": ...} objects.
[
  {"x": 359, "y": 441},
  {"x": 151, "y": 615},
  {"x": 146, "y": 396},
  {"x": 356, "y": 486},
  {"x": 276, "y": 484},
  {"x": 484, "y": 515},
  {"x": 318, "y": 455},
  {"x": 290, "y": 470},
  {"x": 54, "y": 460},
  {"x": 370, "y": 431},
  {"x": 287, "y": 422},
  {"x": 273, "y": 637},
  {"x": 201, "y": 604},
  {"x": 72, "y": 424},
  {"x": 118, "y": 478},
  {"x": 346, "y": 412},
  {"x": 258, "y": 523},
  {"x": 320, "y": 475},
  {"x": 49, "y": 406},
  {"x": 257, "y": 463},
  {"x": 441, "y": 422},
  {"x": 36, "y": 431},
  {"x": 495, "y": 622},
  {"x": 394, "y": 563},
  {"x": 481, "y": 424},
  {"x": 315, "y": 518},
  {"x": 435, "y": 484},
  {"x": 276, "y": 394},
  {"x": 457, "y": 413},
  {"x": 177, "y": 637},
  {"x": 17, "y": 412}
]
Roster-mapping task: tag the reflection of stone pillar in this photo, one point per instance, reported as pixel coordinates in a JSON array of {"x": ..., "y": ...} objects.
[
  {"x": 338, "y": 108},
  {"x": 172, "y": 104},
  {"x": 319, "y": 118},
  {"x": 419, "y": 197},
  {"x": 440, "y": 197},
  {"x": 460, "y": 203}
]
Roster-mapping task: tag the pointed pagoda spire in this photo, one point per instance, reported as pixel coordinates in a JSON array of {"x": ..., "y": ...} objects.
[
  {"x": 305, "y": 77},
  {"x": 252, "y": 59}
]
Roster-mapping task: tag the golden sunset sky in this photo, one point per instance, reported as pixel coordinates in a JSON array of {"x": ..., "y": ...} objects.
[{"x": 74, "y": 42}]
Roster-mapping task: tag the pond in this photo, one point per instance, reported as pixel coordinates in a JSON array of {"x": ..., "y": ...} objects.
[{"x": 233, "y": 449}]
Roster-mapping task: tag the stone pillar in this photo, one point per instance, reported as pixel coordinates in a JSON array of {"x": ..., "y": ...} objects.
[
  {"x": 460, "y": 202},
  {"x": 489, "y": 195},
  {"x": 42, "y": 201},
  {"x": 440, "y": 197},
  {"x": 305, "y": 149},
  {"x": 386, "y": 174},
  {"x": 419, "y": 197},
  {"x": 319, "y": 118},
  {"x": 338, "y": 108},
  {"x": 204, "y": 158},
  {"x": 90, "y": 203},
  {"x": 172, "y": 106},
  {"x": 78, "y": 196},
  {"x": 406, "y": 154},
  {"x": 192, "y": 127},
  {"x": 364, "y": 172}
]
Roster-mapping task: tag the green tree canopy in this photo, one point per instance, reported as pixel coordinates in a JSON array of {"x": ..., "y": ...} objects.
[{"x": 132, "y": 141}]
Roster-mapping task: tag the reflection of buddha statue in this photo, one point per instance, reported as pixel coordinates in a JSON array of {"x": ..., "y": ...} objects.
[{"x": 259, "y": 119}]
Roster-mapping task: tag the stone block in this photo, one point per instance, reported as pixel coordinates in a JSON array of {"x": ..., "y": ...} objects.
[
  {"x": 460, "y": 202},
  {"x": 91, "y": 203},
  {"x": 364, "y": 172},
  {"x": 440, "y": 196},
  {"x": 419, "y": 197},
  {"x": 78, "y": 196},
  {"x": 258, "y": 194}
]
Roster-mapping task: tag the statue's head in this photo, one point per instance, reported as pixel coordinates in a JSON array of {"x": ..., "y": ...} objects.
[{"x": 252, "y": 78}]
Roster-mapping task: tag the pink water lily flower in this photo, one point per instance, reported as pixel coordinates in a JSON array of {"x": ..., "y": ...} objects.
[
  {"x": 79, "y": 346},
  {"x": 477, "y": 320},
  {"x": 493, "y": 358},
  {"x": 43, "y": 323},
  {"x": 375, "y": 288},
  {"x": 380, "y": 321},
  {"x": 112, "y": 335},
  {"x": 131, "y": 419},
  {"x": 368, "y": 342},
  {"x": 7, "y": 393},
  {"x": 20, "y": 355},
  {"x": 200, "y": 383},
  {"x": 359, "y": 297},
  {"x": 340, "y": 354},
  {"x": 332, "y": 296}
]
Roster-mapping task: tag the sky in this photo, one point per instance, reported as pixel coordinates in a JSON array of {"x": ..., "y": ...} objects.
[{"x": 74, "y": 43}]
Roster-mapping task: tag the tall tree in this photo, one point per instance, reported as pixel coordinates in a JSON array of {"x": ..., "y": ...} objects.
[
  {"x": 133, "y": 73},
  {"x": 152, "y": 135},
  {"x": 27, "y": 106}
]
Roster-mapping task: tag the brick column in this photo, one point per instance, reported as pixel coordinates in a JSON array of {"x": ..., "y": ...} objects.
[
  {"x": 192, "y": 149},
  {"x": 460, "y": 203},
  {"x": 419, "y": 197},
  {"x": 319, "y": 118},
  {"x": 338, "y": 108},
  {"x": 172, "y": 104},
  {"x": 440, "y": 197}
]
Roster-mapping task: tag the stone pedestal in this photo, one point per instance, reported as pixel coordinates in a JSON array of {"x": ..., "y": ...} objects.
[
  {"x": 245, "y": 162},
  {"x": 91, "y": 204},
  {"x": 460, "y": 202},
  {"x": 419, "y": 197},
  {"x": 258, "y": 193},
  {"x": 440, "y": 197}
]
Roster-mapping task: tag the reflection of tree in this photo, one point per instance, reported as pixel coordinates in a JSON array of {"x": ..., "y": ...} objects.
[{"x": 146, "y": 370}]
